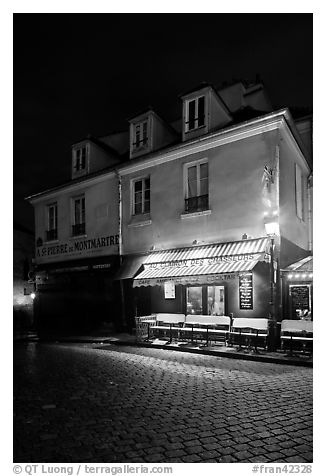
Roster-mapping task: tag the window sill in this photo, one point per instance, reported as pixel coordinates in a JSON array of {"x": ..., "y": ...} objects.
[
  {"x": 47, "y": 242},
  {"x": 195, "y": 214},
  {"x": 189, "y": 131},
  {"x": 78, "y": 236},
  {"x": 139, "y": 223}
]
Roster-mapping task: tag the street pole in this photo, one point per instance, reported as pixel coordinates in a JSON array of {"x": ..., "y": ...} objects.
[{"x": 272, "y": 297}]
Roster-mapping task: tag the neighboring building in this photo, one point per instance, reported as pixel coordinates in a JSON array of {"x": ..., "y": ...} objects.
[
  {"x": 23, "y": 287},
  {"x": 189, "y": 205},
  {"x": 77, "y": 244}
]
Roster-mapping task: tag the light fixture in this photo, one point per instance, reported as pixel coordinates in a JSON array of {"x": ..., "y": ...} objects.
[
  {"x": 33, "y": 295},
  {"x": 290, "y": 276},
  {"x": 297, "y": 276},
  {"x": 271, "y": 222}
]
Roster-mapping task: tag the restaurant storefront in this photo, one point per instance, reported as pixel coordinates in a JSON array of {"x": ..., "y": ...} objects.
[
  {"x": 297, "y": 280},
  {"x": 220, "y": 279}
]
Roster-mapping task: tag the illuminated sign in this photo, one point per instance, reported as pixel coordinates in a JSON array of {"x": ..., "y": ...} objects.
[{"x": 246, "y": 291}]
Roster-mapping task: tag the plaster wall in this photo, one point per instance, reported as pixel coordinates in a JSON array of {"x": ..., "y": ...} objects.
[
  {"x": 292, "y": 227},
  {"x": 235, "y": 198},
  {"x": 102, "y": 221}
]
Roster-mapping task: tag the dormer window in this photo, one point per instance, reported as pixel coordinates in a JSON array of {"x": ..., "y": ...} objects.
[
  {"x": 80, "y": 158},
  {"x": 195, "y": 113},
  {"x": 140, "y": 135}
]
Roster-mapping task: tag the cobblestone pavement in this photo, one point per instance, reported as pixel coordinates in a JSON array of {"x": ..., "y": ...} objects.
[{"x": 81, "y": 403}]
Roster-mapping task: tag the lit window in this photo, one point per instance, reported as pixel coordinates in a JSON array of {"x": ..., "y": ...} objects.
[
  {"x": 196, "y": 187},
  {"x": 52, "y": 222},
  {"x": 207, "y": 300},
  {"x": 141, "y": 196},
  {"x": 140, "y": 135},
  {"x": 80, "y": 158},
  {"x": 78, "y": 227},
  {"x": 299, "y": 192},
  {"x": 195, "y": 113}
]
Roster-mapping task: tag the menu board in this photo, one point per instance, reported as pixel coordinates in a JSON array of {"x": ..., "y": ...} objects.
[
  {"x": 246, "y": 291},
  {"x": 300, "y": 297},
  {"x": 169, "y": 290}
]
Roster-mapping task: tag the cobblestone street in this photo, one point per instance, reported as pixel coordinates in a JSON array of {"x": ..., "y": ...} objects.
[{"x": 83, "y": 403}]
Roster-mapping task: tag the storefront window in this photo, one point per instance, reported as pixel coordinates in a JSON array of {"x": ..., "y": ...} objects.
[
  {"x": 206, "y": 300},
  {"x": 194, "y": 300},
  {"x": 215, "y": 300}
]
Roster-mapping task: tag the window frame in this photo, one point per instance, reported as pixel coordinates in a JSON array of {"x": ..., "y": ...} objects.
[
  {"x": 299, "y": 192},
  {"x": 143, "y": 190},
  {"x": 187, "y": 166},
  {"x": 82, "y": 214},
  {"x": 52, "y": 231},
  {"x": 196, "y": 117},
  {"x": 143, "y": 142},
  {"x": 80, "y": 165},
  {"x": 204, "y": 298}
]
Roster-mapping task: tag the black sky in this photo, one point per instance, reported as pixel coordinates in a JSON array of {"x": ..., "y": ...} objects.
[{"x": 79, "y": 74}]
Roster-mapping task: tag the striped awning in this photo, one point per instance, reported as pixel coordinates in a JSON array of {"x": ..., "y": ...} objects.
[
  {"x": 232, "y": 248},
  {"x": 202, "y": 264}
]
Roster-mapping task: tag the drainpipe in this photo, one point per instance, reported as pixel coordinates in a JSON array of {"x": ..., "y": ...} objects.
[
  {"x": 123, "y": 308},
  {"x": 310, "y": 212}
]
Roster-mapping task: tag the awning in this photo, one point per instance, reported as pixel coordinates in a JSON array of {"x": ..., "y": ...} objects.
[
  {"x": 130, "y": 266},
  {"x": 303, "y": 265},
  {"x": 193, "y": 274},
  {"x": 233, "y": 248},
  {"x": 202, "y": 264}
]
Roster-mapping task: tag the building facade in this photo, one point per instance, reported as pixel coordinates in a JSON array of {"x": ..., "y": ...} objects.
[{"x": 184, "y": 217}]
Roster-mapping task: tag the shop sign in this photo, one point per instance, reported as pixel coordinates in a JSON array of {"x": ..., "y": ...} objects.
[
  {"x": 185, "y": 280},
  {"x": 169, "y": 290},
  {"x": 246, "y": 291},
  {"x": 76, "y": 247},
  {"x": 188, "y": 263}
]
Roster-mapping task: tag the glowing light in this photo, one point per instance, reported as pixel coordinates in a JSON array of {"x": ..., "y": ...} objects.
[
  {"x": 304, "y": 275},
  {"x": 33, "y": 296},
  {"x": 297, "y": 276},
  {"x": 290, "y": 276},
  {"x": 275, "y": 212},
  {"x": 310, "y": 275}
]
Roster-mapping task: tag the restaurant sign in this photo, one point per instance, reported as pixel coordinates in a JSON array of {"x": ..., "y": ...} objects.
[
  {"x": 188, "y": 263},
  {"x": 184, "y": 280},
  {"x": 75, "y": 247}
]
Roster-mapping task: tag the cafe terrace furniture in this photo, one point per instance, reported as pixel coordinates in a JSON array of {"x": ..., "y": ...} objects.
[
  {"x": 206, "y": 327},
  {"x": 190, "y": 327},
  {"x": 251, "y": 332},
  {"x": 297, "y": 334}
]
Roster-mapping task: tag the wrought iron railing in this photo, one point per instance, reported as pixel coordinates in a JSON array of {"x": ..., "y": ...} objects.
[
  {"x": 51, "y": 235},
  {"x": 196, "y": 204},
  {"x": 78, "y": 229}
]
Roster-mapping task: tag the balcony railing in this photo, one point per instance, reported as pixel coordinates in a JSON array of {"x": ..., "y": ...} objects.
[
  {"x": 196, "y": 204},
  {"x": 78, "y": 229},
  {"x": 51, "y": 235}
]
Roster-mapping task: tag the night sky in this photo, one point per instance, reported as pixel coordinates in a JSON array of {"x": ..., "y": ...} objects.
[{"x": 79, "y": 74}]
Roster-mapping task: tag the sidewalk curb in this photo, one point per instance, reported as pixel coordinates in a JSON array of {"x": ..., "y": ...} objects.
[
  {"x": 219, "y": 353},
  {"x": 124, "y": 343}
]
